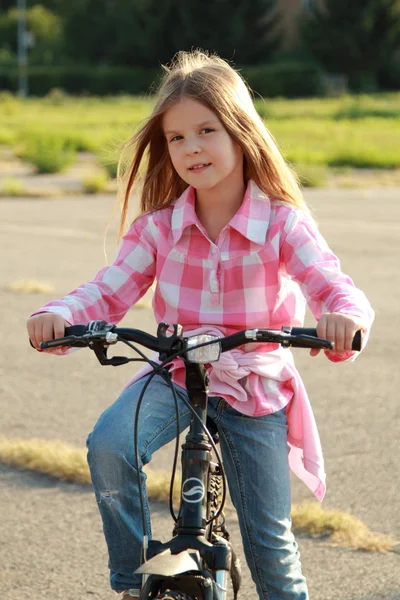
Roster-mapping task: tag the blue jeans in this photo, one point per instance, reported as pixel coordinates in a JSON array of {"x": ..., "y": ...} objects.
[{"x": 254, "y": 451}]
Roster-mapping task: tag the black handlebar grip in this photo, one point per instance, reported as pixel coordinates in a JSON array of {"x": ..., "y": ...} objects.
[
  {"x": 357, "y": 339},
  {"x": 311, "y": 331},
  {"x": 77, "y": 330}
]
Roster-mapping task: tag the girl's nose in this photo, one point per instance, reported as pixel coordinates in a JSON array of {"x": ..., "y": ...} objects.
[{"x": 192, "y": 147}]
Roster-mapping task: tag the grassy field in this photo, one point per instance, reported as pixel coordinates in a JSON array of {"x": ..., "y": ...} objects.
[{"x": 346, "y": 132}]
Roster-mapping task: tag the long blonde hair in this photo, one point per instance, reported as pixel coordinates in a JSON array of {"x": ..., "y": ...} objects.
[{"x": 213, "y": 82}]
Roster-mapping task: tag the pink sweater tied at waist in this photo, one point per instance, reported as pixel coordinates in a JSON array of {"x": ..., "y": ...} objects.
[{"x": 264, "y": 368}]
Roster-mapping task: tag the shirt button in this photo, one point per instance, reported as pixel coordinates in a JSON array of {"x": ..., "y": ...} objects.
[
  {"x": 213, "y": 282},
  {"x": 214, "y": 250}
]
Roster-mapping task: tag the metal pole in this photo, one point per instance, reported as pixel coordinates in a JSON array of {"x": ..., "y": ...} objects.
[{"x": 22, "y": 50}]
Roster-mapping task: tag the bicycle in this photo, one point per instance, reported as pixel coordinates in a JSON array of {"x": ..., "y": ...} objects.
[{"x": 195, "y": 563}]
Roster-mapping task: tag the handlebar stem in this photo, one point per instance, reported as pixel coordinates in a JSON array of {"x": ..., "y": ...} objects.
[{"x": 168, "y": 343}]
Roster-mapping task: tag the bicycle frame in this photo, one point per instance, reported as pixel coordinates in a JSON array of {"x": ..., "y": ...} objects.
[{"x": 189, "y": 550}]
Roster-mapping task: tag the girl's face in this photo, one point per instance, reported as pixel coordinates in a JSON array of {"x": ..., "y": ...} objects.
[{"x": 201, "y": 150}]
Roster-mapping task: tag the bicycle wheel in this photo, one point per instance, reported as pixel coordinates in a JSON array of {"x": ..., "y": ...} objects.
[{"x": 173, "y": 596}]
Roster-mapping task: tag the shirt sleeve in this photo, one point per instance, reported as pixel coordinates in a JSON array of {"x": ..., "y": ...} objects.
[
  {"x": 115, "y": 288},
  {"x": 307, "y": 258}
]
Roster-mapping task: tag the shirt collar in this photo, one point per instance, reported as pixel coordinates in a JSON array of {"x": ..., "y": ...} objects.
[{"x": 251, "y": 220}]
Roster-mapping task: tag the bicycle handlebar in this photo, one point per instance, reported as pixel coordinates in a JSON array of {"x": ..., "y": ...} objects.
[{"x": 101, "y": 332}]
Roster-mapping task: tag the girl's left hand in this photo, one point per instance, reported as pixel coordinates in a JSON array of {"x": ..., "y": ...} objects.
[{"x": 339, "y": 329}]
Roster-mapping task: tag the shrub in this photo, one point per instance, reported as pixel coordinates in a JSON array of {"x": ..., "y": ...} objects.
[
  {"x": 389, "y": 75},
  {"x": 361, "y": 107},
  {"x": 56, "y": 97},
  {"x": 11, "y": 187},
  {"x": 286, "y": 78},
  {"x": 6, "y": 96},
  {"x": 82, "y": 79},
  {"x": 364, "y": 158},
  {"x": 7, "y": 137},
  {"x": 10, "y": 105},
  {"x": 95, "y": 183},
  {"x": 49, "y": 153},
  {"x": 290, "y": 78},
  {"x": 110, "y": 165}
]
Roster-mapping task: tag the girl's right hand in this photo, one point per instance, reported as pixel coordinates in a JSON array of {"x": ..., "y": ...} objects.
[{"x": 44, "y": 327}]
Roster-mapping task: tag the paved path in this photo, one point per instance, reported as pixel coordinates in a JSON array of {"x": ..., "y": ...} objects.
[{"x": 51, "y": 544}]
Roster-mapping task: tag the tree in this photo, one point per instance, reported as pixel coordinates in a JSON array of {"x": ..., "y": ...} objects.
[
  {"x": 356, "y": 38},
  {"x": 45, "y": 28},
  {"x": 146, "y": 32},
  {"x": 246, "y": 32},
  {"x": 108, "y": 32}
]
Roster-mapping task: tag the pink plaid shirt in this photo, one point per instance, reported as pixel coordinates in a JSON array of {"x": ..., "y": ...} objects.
[{"x": 265, "y": 265}]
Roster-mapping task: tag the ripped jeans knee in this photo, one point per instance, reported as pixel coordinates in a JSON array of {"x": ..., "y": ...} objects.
[{"x": 107, "y": 463}]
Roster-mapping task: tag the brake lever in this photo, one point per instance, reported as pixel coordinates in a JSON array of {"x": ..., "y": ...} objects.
[
  {"x": 99, "y": 341},
  {"x": 312, "y": 342},
  {"x": 286, "y": 340},
  {"x": 100, "y": 351}
]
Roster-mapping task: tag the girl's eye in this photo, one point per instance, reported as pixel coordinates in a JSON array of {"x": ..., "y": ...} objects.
[{"x": 176, "y": 138}]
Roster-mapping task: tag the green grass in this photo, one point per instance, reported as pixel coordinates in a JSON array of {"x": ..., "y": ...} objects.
[
  {"x": 385, "y": 105},
  {"x": 364, "y": 143},
  {"x": 312, "y": 176},
  {"x": 353, "y": 131}
]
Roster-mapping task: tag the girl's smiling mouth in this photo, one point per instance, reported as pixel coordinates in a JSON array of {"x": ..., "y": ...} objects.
[{"x": 199, "y": 167}]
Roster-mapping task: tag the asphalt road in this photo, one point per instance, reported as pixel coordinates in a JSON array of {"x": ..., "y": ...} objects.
[{"x": 51, "y": 543}]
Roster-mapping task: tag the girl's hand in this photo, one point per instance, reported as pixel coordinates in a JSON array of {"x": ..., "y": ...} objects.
[
  {"x": 44, "y": 327},
  {"x": 339, "y": 329}
]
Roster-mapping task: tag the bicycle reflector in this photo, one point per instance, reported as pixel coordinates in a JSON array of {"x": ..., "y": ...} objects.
[{"x": 205, "y": 354}]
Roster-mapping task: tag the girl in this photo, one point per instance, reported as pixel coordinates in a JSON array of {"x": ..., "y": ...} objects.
[{"x": 226, "y": 235}]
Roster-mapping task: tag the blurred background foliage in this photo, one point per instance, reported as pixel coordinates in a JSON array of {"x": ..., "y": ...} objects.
[
  {"x": 115, "y": 46},
  {"x": 330, "y": 99},
  {"x": 360, "y": 38}
]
